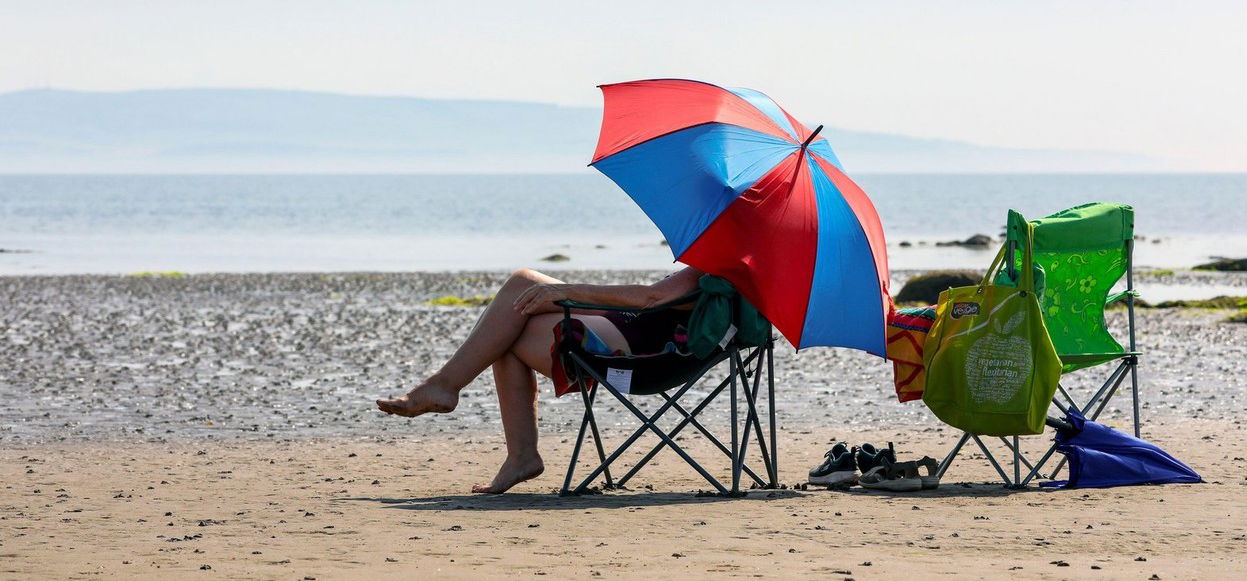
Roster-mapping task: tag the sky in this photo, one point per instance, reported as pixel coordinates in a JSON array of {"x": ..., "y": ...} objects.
[{"x": 1162, "y": 79}]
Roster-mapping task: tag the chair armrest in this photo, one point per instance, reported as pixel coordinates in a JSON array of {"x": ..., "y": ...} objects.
[
  {"x": 1119, "y": 296},
  {"x": 569, "y": 304}
]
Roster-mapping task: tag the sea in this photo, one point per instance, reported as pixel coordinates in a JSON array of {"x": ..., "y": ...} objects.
[{"x": 127, "y": 224}]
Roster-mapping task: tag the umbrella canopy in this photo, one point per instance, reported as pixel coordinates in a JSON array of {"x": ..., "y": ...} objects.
[
  {"x": 744, "y": 191},
  {"x": 1100, "y": 457}
]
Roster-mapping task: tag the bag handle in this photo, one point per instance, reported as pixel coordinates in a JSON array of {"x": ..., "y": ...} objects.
[
  {"x": 1026, "y": 282},
  {"x": 991, "y": 270}
]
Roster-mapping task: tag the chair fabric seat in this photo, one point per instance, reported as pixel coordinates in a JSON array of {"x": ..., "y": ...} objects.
[{"x": 650, "y": 374}]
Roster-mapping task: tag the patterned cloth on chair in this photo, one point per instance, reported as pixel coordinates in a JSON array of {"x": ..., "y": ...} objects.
[
  {"x": 907, "y": 331},
  {"x": 588, "y": 340}
]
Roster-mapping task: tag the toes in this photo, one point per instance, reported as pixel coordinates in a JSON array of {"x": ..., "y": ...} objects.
[
  {"x": 396, "y": 407},
  {"x": 387, "y": 406}
]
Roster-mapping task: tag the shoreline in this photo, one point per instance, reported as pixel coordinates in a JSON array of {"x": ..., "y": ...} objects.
[{"x": 432, "y": 251}]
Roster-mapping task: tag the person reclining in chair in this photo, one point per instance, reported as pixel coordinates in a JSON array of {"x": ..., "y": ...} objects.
[{"x": 513, "y": 336}]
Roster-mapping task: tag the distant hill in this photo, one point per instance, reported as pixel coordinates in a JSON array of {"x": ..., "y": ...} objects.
[{"x": 248, "y": 130}]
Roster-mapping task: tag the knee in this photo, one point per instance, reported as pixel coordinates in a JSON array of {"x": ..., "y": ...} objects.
[{"x": 525, "y": 277}]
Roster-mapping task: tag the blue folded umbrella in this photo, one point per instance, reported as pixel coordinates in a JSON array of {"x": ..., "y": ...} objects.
[{"x": 1101, "y": 457}]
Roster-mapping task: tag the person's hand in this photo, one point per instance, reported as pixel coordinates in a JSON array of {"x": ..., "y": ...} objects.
[{"x": 539, "y": 298}]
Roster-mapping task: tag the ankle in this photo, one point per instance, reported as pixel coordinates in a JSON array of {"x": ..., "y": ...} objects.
[
  {"x": 524, "y": 458},
  {"x": 438, "y": 383}
]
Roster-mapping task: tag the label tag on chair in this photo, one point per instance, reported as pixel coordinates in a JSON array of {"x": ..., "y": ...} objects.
[
  {"x": 620, "y": 379},
  {"x": 731, "y": 332}
]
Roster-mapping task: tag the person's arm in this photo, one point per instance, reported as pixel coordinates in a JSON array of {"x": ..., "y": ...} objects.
[{"x": 540, "y": 298}]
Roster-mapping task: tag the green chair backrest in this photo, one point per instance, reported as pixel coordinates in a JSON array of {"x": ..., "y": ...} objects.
[{"x": 1083, "y": 252}]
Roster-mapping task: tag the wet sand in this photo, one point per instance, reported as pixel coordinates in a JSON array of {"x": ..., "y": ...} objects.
[{"x": 241, "y": 406}]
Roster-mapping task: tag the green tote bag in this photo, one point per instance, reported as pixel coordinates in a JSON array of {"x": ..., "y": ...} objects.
[{"x": 991, "y": 367}]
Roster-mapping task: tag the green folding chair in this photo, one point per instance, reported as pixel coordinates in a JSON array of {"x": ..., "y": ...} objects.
[
  {"x": 724, "y": 329},
  {"x": 1083, "y": 252}
]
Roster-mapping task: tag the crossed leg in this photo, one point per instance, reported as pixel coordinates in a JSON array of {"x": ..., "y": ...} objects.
[{"x": 517, "y": 346}]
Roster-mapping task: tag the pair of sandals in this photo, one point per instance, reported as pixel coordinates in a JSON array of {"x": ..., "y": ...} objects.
[{"x": 902, "y": 476}]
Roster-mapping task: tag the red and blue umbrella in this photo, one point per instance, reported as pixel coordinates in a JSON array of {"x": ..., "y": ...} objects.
[{"x": 744, "y": 191}]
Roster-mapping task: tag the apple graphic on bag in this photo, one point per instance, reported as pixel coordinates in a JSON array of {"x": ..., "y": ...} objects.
[{"x": 998, "y": 365}]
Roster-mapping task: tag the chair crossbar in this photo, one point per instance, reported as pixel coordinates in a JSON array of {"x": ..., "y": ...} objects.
[
  {"x": 740, "y": 373},
  {"x": 587, "y": 398},
  {"x": 690, "y": 418},
  {"x": 752, "y": 396},
  {"x": 992, "y": 459},
  {"x": 648, "y": 423},
  {"x": 1098, "y": 402}
]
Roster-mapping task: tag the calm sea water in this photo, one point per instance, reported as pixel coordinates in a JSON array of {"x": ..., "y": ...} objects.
[{"x": 126, "y": 224}]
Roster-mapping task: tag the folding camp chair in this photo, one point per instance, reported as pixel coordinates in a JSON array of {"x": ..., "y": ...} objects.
[
  {"x": 1083, "y": 251},
  {"x": 672, "y": 375}
]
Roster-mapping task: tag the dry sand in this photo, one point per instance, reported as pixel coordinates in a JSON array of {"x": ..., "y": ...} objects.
[
  {"x": 334, "y": 509},
  {"x": 220, "y": 427}
]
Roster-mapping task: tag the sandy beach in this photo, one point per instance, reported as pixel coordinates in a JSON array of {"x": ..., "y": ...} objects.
[{"x": 221, "y": 426}]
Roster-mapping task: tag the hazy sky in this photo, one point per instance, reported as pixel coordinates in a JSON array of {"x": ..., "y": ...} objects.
[{"x": 1160, "y": 78}]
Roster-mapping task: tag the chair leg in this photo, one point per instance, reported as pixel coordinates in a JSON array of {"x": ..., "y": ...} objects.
[
  {"x": 948, "y": 459},
  {"x": 1039, "y": 466},
  {"x": 1069, "y": 401},
  {"x": 770, "y": 390},
  {"x": 1116, "y": 379},
  {"x": 732, "y": 369},
  {"x": 1016, "y": 450},
  {"x": 1134, "y": 390},
  {"x": 739, "y": 378},
  {"x": 1133, "y": 360},
  {"x": 580, "y": 438},
  {"x": 597, "y": 437},
  {"x": 1102, "y": 396},
  {"x": 1107, "y": 390},
  {"x": 1017, "y": 460},
  {"x": 751, "y": 397},
  {"x": 691, "y": 418},
  {"x": 992, "y": 458},
  {"x": 751, "y": 417},
  {"x": 648, "y": 423}
]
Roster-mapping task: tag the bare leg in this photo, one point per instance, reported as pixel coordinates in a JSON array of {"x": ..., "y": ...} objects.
[
  {"x": 517, "y": 398},
  {"x": 516, "y": 384},
  {"x": 498, "y": 328},
  {"x": 515, "y": 345}
]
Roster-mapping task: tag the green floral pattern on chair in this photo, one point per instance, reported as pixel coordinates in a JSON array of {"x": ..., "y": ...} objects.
[{"x": 1083, "y": 254}]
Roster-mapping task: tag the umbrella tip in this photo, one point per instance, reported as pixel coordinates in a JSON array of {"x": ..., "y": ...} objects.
[{"x": 810, "y": 139}]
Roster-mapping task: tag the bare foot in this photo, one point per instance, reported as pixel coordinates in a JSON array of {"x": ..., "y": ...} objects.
[
  {"x": 426, "y": 398},
  {"x": 512, "y": 472}
]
